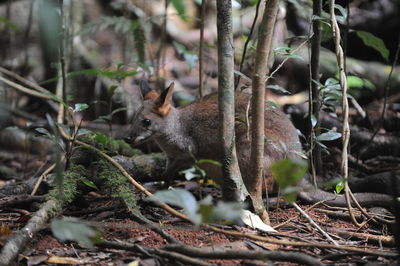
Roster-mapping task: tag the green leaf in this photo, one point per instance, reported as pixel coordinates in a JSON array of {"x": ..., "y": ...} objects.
[
  {"x": 43, "y": 131},
  {"x": 313, "y": 121},
  {"x": 181, "y": 198},
  {"x": 282, "y": 50},
  {"x": 278, "y": 88},
  {"x": 228, "y": 212},
  {"x": 80, "y": 107},
  {"x": 89, "y": 183},
  {"x": 324, "y": 147},
  {"x": 190, "y": 173},
  {"x": 201, "y": 171},
  {"x": 343, "y": 14},
  {"x": 374, "y": 42},
  {"x": 270, "y": 105},
  {"x": 326, "y": 33},
  {"x": 289, "y": 193},
  {"x": 209, "y": 161},
  {"x": 339, "y": 187},
  {"x": 242, "y": 75},
  {"x": 328, "y": 136},
  {"x": 83, "y": 131},
  {"x": 190, "y": 57},
  {"x": 288, "y": 172},
  {"x": 55, "y": 98},
  {"x": 287, "y": 52},
  {"x": 354, "y": 82},
  {"x": 75, "y": 230},
  {"x": 100, "y": 138},
  {"x": 112, "y": 89},
  {"x": 180, "y": 7},
  {"x": 118, "y": 110}
]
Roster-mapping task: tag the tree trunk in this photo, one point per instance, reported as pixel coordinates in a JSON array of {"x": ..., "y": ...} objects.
[
  {"x": 257, "y": 106},
  {"x": 233, "y": 184},
  {"x": 314, "y": 93}
]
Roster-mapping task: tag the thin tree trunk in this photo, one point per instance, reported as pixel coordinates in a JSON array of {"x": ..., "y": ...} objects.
[
  {"x": 233, "y": 183},
  {"x": 314, "y": 95},
  {"x": 258, "y": 106},
  {"x": 201, "y": 49}
]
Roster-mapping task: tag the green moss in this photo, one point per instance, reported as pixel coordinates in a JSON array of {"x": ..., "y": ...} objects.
[
  {"x": 109, "y": 145},
  {"x": 70, "y": 183},
  {"x": 116, "y": 184},
  {"x": 84, "y": 156},
  {"x": 123, "y": 148}
]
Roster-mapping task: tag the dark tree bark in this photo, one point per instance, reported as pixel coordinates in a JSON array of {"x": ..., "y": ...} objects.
[
  {"x": 258, "y": 106},
  {"x": 314, "y": 93},
  {"x": 226, "y": 101}
]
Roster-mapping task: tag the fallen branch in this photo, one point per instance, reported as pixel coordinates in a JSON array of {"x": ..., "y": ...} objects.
[
  {"x": 150, "y": 252},
  {"x": 38, "y": 221},
  {"x": 314, "y": 224},
  {"x": 210, "y": 253},
  {"x": 302, "y": 244},
  {"x": 376, "y": 239},
  {"x": 18, "y": 199}
]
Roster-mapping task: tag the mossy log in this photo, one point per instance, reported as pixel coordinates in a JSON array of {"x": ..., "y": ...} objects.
[{"x": 145, "y": 167}]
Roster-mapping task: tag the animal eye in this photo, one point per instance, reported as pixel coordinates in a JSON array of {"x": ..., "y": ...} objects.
[{"x": 146, "y": 122}]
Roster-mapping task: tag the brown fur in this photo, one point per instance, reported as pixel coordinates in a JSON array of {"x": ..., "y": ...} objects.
[
  {"x": 151, "y": 95},
  {"x": 194, "y": 129}
]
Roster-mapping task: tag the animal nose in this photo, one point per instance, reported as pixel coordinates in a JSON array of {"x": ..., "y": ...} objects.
[{"x": 128, "y": 139}]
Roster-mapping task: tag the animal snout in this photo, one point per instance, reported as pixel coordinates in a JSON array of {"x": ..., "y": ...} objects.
[{"x": 128, "y": 139}]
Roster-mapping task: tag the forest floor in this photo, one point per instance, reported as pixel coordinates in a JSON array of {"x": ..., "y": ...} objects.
[{"x": 116, "y": 225}]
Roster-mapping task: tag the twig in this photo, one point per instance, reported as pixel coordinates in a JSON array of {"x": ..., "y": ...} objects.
[
  {"x": 62, "y": 61},
  {"x": 24, "y": 80},
  {"x": 366, "y": 213},
  {"x": 289, "y": 256},
  {"x": 201, "y": 48},
  {"x": 30, "y": 84},
  {"x": 302, "y": 244},
  {"x": 160, "y": 55},
  {"x": 286, "y": 59},
  {"x": 311, "y": 221},
  {"x": 247, "y": 43},
  {"x": 380, "y": 239},
  {"x": 358, "y": 107},
  {"x": 26, "y": 90},
  {"x": 40, "y": 179},
  {"x": 26, "y": 34},
  {"x": 314, "y": 101},
  {"x": 150, "y": 252},
  {"x": 130, "y": 178},
  {"x": 154, "y": 227},
  {"x": 339, "y": 214},
  {"x": 38, "y": 221},
  {"x": 345, "y": 106},
  {"x": 18, "y": 199},
  {"x": 19, "y": 113},
  {"x": 68, "y": 138},
  {"x": 293, "y": 218}
]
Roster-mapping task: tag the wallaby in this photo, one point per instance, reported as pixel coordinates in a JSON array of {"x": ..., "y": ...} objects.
[{"x": 192, "y": 130}]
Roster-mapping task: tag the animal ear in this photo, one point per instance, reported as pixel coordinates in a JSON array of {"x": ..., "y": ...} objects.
[
  {"x": 147, "y": 92},
  {"x": 163, "y": 106}
]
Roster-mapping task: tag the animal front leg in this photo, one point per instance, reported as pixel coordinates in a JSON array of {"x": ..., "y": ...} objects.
[{"x": 175, "y": 165}]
